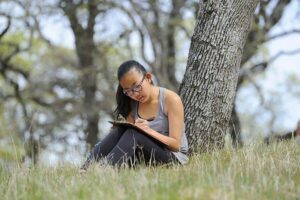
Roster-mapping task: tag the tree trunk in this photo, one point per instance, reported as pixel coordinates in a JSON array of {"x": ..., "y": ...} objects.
[
  {"x": 235, "y": 129},
  {"x": 85, "y": 49},
  {"x": 210, "y": 80},
  {"x": 168, "y": 65},
  {"x": 33, "y": 150}
]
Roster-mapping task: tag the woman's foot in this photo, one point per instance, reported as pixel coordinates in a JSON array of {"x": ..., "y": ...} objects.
[{"x": 82, "y": 171}]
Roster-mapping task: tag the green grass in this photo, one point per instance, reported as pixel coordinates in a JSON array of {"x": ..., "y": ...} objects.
[{"x": 253, "y": 172}]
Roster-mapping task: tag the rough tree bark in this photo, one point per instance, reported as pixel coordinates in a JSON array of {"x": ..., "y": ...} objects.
[{"x": 210, "y": 80}]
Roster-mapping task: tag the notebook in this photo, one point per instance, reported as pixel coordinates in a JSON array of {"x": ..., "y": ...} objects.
[
  {"x": 126, "y": 124},
  {"x": 130, "y": 125}
]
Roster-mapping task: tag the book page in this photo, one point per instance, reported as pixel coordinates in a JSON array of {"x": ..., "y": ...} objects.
[
  {"x": 126, "y": 124},
  {"x": 130, "y": 125}
]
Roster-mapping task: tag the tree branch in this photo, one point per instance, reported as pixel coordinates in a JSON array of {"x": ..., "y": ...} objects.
[
  {"x": 136, "y": 9},
  {"x": 293, "y": 31},
  {"x": 19, "y": 50},
  {"x": 38, "y": 29},
  {"x": 259, "y": 67},
  {"x": 69, "y": 9},
  {"x": 264, "y": 103},
  {"x": 7, "y": 26},
  {"x": 186, "y": 32},
  {"x": 93, "y": 12},
  {"x": 139, "y": 29}
]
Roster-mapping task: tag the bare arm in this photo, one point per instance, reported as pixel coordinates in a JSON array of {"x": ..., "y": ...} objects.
[{"x": 174, "y": 110}]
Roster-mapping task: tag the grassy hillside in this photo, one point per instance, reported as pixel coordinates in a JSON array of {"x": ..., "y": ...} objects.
[{"x": 253, "y": 172}]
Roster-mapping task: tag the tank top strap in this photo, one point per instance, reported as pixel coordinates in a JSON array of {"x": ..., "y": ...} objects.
[{"x": 162, "y": 100}]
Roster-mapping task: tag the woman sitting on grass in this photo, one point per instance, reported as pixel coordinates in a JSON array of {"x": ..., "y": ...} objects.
[{"x": 156, "y": 110}]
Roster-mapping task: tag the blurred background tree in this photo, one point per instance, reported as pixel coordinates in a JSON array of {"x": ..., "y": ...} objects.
[{"x": 57, "y": 96}]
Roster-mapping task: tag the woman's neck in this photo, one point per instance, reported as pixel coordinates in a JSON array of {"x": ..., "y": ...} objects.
[{"x": 154, "y": 92}]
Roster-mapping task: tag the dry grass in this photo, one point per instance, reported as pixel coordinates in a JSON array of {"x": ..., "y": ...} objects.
[{"x": 253, "y": 172}]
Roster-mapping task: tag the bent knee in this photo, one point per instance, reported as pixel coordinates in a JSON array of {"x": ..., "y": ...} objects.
[{"x": 133, "y": 133}]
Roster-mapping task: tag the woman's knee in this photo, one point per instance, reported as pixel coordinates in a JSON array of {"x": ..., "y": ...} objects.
[
  {"x": 134, "y": 134},
  {"x": 114, "y": 131}
]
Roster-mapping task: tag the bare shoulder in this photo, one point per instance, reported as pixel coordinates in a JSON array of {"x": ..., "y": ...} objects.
[
  {"x": 171, "y": 95},
  {"x": 172, "y": 100}
]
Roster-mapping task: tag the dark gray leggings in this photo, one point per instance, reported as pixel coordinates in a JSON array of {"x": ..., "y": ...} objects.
[{"x": 129, "y": 146}]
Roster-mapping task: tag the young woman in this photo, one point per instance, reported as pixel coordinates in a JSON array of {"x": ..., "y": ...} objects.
[{"x": 156, "y": 110}]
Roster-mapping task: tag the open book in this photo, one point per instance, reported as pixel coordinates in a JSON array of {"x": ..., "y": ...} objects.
[
  {"x": 126, "y": 124},
  {"x": 130, "y": 125}
]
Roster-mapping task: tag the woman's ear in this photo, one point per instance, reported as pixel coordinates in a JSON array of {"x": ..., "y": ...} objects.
[{"x": 149, "y": 77}]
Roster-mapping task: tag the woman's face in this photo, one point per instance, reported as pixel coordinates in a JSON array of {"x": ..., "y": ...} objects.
[{"x": 136, "y": 85}]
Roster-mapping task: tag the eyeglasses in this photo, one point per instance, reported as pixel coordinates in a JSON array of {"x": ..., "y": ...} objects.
[{"x": 136, "y": 88}]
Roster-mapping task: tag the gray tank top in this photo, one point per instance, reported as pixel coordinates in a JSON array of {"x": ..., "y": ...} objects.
[{"x": 161, "y": 124}]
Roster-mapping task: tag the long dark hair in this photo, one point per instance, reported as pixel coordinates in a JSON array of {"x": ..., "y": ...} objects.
[{"x": 123, "y": 101}]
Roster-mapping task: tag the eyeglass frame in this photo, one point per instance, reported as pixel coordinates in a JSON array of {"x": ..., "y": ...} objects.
[{"x": 136, "y": 88}]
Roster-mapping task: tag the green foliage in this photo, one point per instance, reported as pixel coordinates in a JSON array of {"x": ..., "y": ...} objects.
[
  {"x": 10, "y": 43},
  {"x": 253, "y": 172}
]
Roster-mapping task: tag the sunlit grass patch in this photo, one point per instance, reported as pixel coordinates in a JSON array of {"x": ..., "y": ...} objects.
[{"x": 252, "y": 172}]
